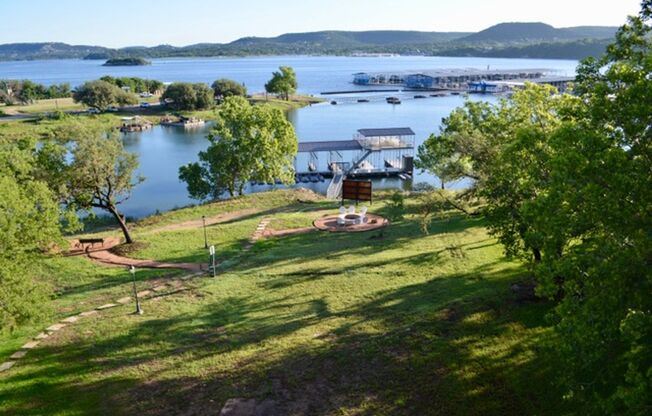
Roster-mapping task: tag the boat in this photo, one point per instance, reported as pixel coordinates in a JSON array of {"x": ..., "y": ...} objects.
[
  {"x": 363, "y": 100},
  {"x": 419, "y": 96},
  {"x": 455, "y": 93},
  {"x": 333, "y": 102},
  {"x": 188, "y": 122},
  {"x": 393, "y": 100}
]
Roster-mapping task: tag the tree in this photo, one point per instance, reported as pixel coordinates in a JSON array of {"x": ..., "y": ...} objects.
[
  {"x": 184, "y": 96},
  {"x": 248, "y": 143},
  {"x": 29, "y": 224},
  {"x": 227, "y": 88},
  {"x": 283, "y": 82},
  {"x": 599, "y": 202},
  {"x": 101, "y": 94},
  {"x": 97, "y": 173}
]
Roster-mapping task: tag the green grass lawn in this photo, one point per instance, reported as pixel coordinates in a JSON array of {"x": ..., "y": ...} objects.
[{"x": 391, "y": 323}]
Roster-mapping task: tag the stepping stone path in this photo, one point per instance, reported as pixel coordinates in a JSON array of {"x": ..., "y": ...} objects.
[
  {"x": 174, "y": 286},
  {"x": 258, "y": 234}
]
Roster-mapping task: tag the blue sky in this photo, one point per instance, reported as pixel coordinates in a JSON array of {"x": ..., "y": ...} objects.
[{"x": 118, "y": 23}]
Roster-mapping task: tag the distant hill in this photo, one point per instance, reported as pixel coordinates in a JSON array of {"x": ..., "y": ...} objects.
[
  {"x": 530, "y": 32},
  {"x": 47, "y": 50},
  {"x": 371, "y": 37},
  {"x": 505, "y": 39}
]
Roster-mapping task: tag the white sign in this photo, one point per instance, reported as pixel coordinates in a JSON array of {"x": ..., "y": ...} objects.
[{"x": 211, "y": 250}]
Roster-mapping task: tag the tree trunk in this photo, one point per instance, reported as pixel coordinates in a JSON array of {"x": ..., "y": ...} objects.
[
  {"x": 537, "y": 255},
  {"x": 122, "y": 223}
]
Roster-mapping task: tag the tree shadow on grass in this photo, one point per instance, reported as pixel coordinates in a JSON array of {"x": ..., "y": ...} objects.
[{"x": 450, "y": 345}]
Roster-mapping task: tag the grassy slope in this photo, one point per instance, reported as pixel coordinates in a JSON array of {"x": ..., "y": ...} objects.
[{"x": 323, "y": 323}]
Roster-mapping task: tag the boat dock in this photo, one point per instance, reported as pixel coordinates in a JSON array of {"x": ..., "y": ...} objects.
[{"x": 383, "y": 152}]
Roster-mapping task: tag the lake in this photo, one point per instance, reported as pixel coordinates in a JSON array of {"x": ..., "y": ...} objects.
[{"x": 162, "y": 150}]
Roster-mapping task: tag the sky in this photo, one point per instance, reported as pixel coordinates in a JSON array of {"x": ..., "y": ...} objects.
[{"x": 118, "y": 23}]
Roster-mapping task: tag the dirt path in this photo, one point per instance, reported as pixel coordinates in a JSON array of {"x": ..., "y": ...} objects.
[
  {"x": 218, "y": 219},
  {"x": 102, "y": 254},
  {"x": 107, "y": 257}
]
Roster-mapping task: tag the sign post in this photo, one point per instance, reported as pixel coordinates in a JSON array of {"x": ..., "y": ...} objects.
[
  {"x": 132, "y": 270},
  {"x": 211, "y": 250}
]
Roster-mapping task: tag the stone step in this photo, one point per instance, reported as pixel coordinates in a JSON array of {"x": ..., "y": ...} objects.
[
  {"x": 107, "y": 306},
  {"x": 144, "y": 293},
  {"x": 18, "y": 354},
  {"x": 124, "y": 300},
  {"x": 55, "y": 327},
  {"x": 7, "y": 365},
  {"x": 30, "y": 345},
  {"x": 42, "y": 335},
  {"x": 159, "y": 288},
  {"x": 88, "y": 313},
  {"x": 70, "y": 319}
]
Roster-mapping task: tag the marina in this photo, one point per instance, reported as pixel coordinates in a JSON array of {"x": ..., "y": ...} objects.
[{"x": 471, "y": 80}]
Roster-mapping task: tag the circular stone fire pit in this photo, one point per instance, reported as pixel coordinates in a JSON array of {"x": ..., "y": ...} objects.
[
  {"x": 351, "y": 219},
  {"x": 329, "y": 223}
]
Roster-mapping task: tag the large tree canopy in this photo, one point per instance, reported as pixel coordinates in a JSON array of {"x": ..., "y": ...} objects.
[
  {"x": 184, "y": 96},
  {"x": 567, "y": 184},
  {"x": 90, "y": 169},
  {"x": 248, "y": 143},
  {"x": 228, "y": 88},
  {"x": 101, "y": 94}
]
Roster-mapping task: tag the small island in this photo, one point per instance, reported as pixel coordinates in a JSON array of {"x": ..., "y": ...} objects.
[{"x": 126, "y": 62}]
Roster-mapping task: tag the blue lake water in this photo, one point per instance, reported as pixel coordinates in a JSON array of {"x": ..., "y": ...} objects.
[{"x": 162, "y": 150}]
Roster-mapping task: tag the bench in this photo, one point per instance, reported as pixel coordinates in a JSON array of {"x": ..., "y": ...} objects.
[{"x": 90, "y": 241}]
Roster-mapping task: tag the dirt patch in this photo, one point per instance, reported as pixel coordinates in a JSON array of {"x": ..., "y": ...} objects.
[{"x": 127, "y": 249}]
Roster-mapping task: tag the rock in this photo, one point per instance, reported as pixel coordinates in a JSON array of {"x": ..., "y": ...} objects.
[{"x": 248, "y": 407}]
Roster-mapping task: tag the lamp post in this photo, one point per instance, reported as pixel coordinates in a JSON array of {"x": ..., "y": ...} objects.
[
  {"x": 132, "y": 269},
  {"x": 203, "y": 219}
]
